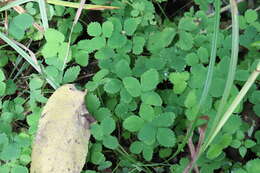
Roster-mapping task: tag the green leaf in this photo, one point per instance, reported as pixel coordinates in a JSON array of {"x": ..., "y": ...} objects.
[
  {"x": 100, "y": 75},
  {"x": 191, "y": 99},
  {"x": 138, "y": 44},
  {"x": 117, "y": 40},
  {"x": 148, "y": 152},
  {"x": 10, "y": 152},
  {"x": 164, "y": 120},
  {"x": 192, "y": 59},
  {"x": 19, "y": 24},
  {"x": 242, "y": 151},
  {"x": 113, "y": 86},
  {"x": 187, "y": 23},
  {"x": 250, "y": 16},
  {"x": 159, "y": 40},
  {"x": 110, "y": 142},
  {"x": 92, "y": 102},
  {"x": 249, "y": 143},
  {"x": 256, "y": 109},
  {"x": 133, "y": 86},
  {"x": 19, "y": 169},
  {"x": 146, "y": 112},
  {"x": 125, "y": 96},
  {"x": 54, "y": 36},
  {"x": 97, "y": 131},
  {"x": 102, "y": 113},
  {"x": 185, "y": 41},
  {"x": 94, "y": 29},
  {"x": 147, "y": 134},
  {"x": 136, "y": 147},
  {"x": 133, "y": 123},
  {"x": 203, "y": 54},
  {"x": 108, "y": 125},
  {"x": 165, "y": 152},
  {"x": 130, "y": 25},
  {"x": 179, "y": 81},
  {"x": 2, "y": 75},
  {"x": 151, "y": 98},
  {"x": 71, "y": 74},
  {"x": 81, "y": 57},
  {"x": 122, "y": 69},
  {"x": 166, "y": 137},
  {"x": 107, "y": 29},
  {"x": 253, "y": 166},
  {"x": 149, "y": 80},
  {"x": 214, "y": 151},
  {"x": 35, "y": 83}
]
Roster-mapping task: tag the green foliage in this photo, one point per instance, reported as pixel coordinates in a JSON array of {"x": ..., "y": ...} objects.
[
  {"x": 144, "y": 76},
  {"x": 19, "y": 24}
]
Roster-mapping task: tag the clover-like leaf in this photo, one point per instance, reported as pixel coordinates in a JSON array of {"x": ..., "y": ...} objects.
[
  {"x": 133, "y": 86},
  {"x": 149, "y": 80},
  {"x": 166, "y": 137},
  {"x": 133, "y": 123},
  {"x": 94, "y": 29}
]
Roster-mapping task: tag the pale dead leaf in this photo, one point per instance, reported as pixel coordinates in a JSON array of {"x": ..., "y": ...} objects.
[{"x": 61, "y": 143}]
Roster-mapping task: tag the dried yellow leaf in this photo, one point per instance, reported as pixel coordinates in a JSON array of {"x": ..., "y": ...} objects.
[{"x": 61, "y": 142}]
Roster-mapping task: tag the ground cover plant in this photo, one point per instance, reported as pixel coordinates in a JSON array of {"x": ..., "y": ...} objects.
[{"x": 173, "y": 85}]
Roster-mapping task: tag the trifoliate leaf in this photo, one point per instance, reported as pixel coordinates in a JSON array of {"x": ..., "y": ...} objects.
[
  {"x": 151, "y": 98},
  {"x": 133, "y": 86},
  {"x": 166, "y": 137},
  {"x": 107, "y": 29},
  {"x": 149, "y": 80},
  {"x": 94, "y": 29},
  {"x": 71, "y": 74}
]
